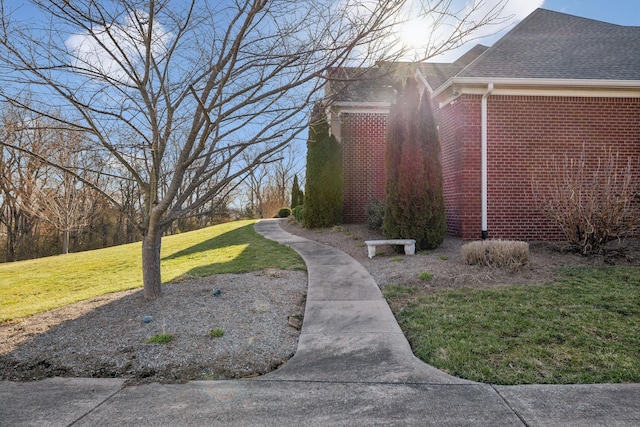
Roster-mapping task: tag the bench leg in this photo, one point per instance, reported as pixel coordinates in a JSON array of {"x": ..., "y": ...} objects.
[
  {"x": 410, "y": 249},
  {"x": 371, "y": 250}
]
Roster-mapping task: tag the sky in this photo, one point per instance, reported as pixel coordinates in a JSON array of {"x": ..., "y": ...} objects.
[{"x": 621, "y": 12}]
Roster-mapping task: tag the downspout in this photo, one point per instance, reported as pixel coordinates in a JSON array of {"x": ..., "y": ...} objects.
[{"x": 483, "y": 159}]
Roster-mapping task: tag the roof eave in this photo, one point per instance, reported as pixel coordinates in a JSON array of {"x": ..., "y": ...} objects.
[
  {"x": 536, "y": 83},
  {"x": 370, "y": 105}
]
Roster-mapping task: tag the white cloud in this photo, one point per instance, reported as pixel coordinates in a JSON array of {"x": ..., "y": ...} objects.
[{"x": 106, "y": 51}]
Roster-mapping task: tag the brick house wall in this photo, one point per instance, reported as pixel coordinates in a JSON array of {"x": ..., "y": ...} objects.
[
  {"x": 459, "y": 130},
  {"x": 363, "y": 147},
  {"x": 525, "y": 134}
]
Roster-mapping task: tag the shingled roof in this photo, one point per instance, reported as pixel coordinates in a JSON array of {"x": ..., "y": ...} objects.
[
  {"x": 437, "y": 73},
  {"x": 554, "y": 45},
  {"x": 378, "y": 84},
  {"x": 349, "y": 84},
  {"x": 546, "y": 45}
]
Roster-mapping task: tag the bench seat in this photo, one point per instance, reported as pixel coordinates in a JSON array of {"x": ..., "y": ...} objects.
[{"x": 409, "y": 245}]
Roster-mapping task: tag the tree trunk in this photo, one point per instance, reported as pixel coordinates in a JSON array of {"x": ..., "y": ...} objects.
[
  {"x": 65, "y": 242},
  {"x": 151, "y": 263},
  {"x": 11, "y": 245}
]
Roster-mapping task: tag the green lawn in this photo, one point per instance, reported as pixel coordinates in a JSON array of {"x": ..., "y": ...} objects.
[
  {"x": 34, "y": 286},
  {"x": 583, "y": 328}
]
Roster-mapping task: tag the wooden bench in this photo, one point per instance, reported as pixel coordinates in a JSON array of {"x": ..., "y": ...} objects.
[{"x": 409, "y": 245}]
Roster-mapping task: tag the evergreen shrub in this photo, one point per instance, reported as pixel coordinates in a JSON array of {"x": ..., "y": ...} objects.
[
  {"x": 323, "y": 195},
  {"x": 415, "y": 198},
  {"x": 375, "y": 214},
  {"x": 284, "y": 212},
  {"x": 298, "y": 212}
]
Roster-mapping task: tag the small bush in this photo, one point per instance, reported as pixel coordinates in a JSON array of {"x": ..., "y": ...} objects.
[
  {"x": 496, "y": 253},
  {"x": 298, "y": 212},
  {"x": 160, "y": 339},
  {"x": 375, "y": 214},
  {"x": 592, "y": 203},
  {"x": 284, "y": 212},
  {"x": 216, "y": 333},
  {"x": 425, "y": 275}
]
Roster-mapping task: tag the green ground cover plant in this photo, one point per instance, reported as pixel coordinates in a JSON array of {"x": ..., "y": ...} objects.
[
  {"x": 216, "y": 333},
  {"x": 425, "y": 275},
  {"x": 160, "y": 339},
  {"x": 582, "y": 328},
  {"x": 34, "y": 286}
]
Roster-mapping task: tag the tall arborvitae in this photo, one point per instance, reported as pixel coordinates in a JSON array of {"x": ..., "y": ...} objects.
[
  {"x": 413, "y": 205},
  {"x": 323, "y": 193},
  {"x": 396, "y": 135},
  {"x": 296, "y": 193},
  {"x": 435, "y": 218}
]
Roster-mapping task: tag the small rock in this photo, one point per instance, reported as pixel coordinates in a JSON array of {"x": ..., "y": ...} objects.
[
  {"x": 147, "y": 319},
  {"x": 254, "y": 375},
  {"x": 295, "y": 322},
  {"x": 217, "y": 292}
]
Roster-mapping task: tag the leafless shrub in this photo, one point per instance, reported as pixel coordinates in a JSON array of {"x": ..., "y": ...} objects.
[
  {"x": 496, "y": 253},
  {"x": 593, "y": 204}
]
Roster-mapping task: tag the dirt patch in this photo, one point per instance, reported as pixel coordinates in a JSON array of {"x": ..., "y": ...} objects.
[
  {"x": 107, "y": 336},
  {"x": 445, "y": 264}
]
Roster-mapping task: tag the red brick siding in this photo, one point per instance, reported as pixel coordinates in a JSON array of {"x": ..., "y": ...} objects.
[
  {"x": 525, "y": 133},
  {"x": 460, "y": 146},
  {"x": 363, "y": 147}
]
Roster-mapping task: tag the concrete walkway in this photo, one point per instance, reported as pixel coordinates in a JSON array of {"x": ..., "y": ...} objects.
[{"x": 353, "y": 366}]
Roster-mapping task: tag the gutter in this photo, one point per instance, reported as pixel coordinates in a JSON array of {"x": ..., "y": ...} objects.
[
  {"x": 483, "y": 159},
  {"x": 632, "y": 85}
]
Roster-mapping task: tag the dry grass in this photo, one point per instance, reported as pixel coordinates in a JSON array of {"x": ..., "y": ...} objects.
[{"x": 496, "y": 253}]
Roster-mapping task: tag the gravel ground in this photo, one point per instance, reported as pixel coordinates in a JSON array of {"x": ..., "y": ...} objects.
[{"x": 106, "y": 337}]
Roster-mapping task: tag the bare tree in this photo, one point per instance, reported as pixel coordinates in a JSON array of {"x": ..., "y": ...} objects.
[
  {"x": 267, "y": 188},
  {"x": 210, "y": 79},
  {"x": 20, "y": 176},
  {"x": 61, "y": 199}
]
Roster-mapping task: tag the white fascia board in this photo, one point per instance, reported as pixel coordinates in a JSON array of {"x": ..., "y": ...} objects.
[
  {"x": 542, "y": 87},
  {"x": 360, "y": 107}
]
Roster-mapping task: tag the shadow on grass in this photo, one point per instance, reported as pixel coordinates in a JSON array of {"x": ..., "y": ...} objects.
[
  {"x": 236, "y": 251},
  {"x": 240, "y": 235}
]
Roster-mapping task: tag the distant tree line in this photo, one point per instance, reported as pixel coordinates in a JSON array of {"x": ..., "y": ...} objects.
[{"x": 46, "y": 211}]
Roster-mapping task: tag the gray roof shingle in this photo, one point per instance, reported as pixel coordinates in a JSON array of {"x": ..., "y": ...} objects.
[
  {"x": 545, "y": 45},
  {"x": 437, "y": 73},
  {"x": 378, "y": 84},
  {"x": 554, "y": 45}
]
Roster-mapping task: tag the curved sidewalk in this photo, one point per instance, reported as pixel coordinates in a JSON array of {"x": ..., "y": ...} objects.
[
  {"x": 349, "y": 333},
  {"x": 353, "y": 367}
]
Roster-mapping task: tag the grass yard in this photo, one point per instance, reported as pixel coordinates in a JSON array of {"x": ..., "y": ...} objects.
[
  {"x": 583, "y": 328},
  {"x": 34, "y": 286}
]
